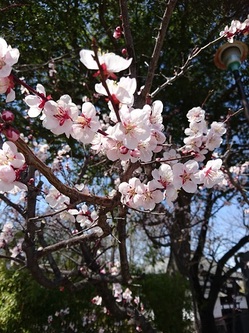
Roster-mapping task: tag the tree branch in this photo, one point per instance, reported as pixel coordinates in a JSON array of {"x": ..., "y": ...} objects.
[
  {"x": 128, "y": 36},
  {"x": 170, "y": 5},
  {"x": 72, "y": 193}
]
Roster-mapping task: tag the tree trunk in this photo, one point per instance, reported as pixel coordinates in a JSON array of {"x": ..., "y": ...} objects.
[{"x": 207, "y": 320}]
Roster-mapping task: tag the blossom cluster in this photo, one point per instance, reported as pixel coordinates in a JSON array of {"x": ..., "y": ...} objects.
[
  {"x": 173, "y": 175},
  {"x": 12, "y": 164},
  {"x": 130, "y": 134},
  {"x": 83, "y": 215},
  {"x": 236, "y": 27},
  {"x": 8, "y": 57},
  {"x": 6, "y": 236}
]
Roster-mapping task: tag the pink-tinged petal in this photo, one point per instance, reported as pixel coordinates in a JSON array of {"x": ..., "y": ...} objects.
[
  {"x": 34, "y": 112},
  {"x": 3, "y": 47},
  {"x": 32, "y": 100},
  {"x": 11, "y": 96},
  {"x": 40, "y": 89},
  {"x": 7, "y": 174},
  {"x": 115, "y": 63},
  {"x": 12, "y": 56},
  {"x": 86, "y": 57},
  {"x": 189, "y": 187},
  {"x": 5, "y": 70}
]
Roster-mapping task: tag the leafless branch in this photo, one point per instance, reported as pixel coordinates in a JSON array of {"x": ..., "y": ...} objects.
[
  {"x": 170, "y": 5},
  {"x": 184, "y": 67},
  {"x": 128, "y": 36}
]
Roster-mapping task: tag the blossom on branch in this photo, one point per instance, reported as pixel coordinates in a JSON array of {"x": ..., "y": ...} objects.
[
  {"x": 211, "y": 174},
  {"x": 86, "y": 125},
  {"x": 6, "y": 87},
  {"x": 110, "y": 62},
  {"x": 11, "y": 162},
  {"x": 36, "y": 103},
  {"x": 185, "y": 176},
  {"x": 8, "y": 57},
  {"x": 59, "y": 116}
]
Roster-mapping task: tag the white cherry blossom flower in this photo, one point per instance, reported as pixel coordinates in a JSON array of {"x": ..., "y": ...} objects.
[
  {"x": 134, "y": 127},
  {"x": 10, "y": 156},
  {"x": 110, "y": 62},
  {"x": 163, "y": 175},
  {"x": 127, "y": 295},
  {"x": 211, "y": 174},
  {"x": 171, "y": 157},
  {"x": 6, "y": 87},
  {"x": 185, "y": 176},
  {"x": 35, "y": 102},
  {"x": 121, "y": 91},
  {"x": 8, "y": 57},
  {"x": 156, "y": 118},
  {"x": 196, "y": 114},
  {"x": 212, "y": 140},
  {"x": 86, "y": 125},
  {"x": 150, "y": 195},
  {"x": 131, "y": 191},
  {"x": 60, "y": 115},
  {"x": 56, "y": 199},
  {"x": 97, "y": 300}
]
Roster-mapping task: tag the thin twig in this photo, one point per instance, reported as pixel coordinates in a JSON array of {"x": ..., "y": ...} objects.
[{"x": 184, "y": 67}]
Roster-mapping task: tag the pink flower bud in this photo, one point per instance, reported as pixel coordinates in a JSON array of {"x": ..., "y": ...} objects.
[
  {"x": 117, "y": 33},
  {"x": 7, "y": 116},
  {"x": 124, "y": 52},
  {"x": 12, "y": 134},
  {"x": 123, "y": 150}
]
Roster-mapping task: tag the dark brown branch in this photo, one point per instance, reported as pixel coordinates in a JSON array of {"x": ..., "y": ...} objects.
[
  {"x": 72, "y": 193},
  {"x": 128, "y": 36},
  {"x": 157, "y": 48},
  {"x": 64, "y": 244},
  {"x": 8, "y": 202},
  {"x": 121, "y": 229}
]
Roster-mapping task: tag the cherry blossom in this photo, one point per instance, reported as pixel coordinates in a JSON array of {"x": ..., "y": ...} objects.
[
  {"x": 185, "y": 176},
  {"x": 156, "y": 118},
  {"x": 196, "y": 114},
  {"x": 150, "y": 195},
  {"x": 134, "y": 127},
  {"x": 131, "y": 192},
  {"x": 6, "y": 87},
  {"x": 60, "y": 115},
  {"x": 236, "y": 27},
  {"x": 121, "y": 91},
  {"x": 84, "y": 216},
  {"x": 10, "y": 163},
  {"x": 8, "y": 57},
  {"x": 7, "y": 235},
  {"x": 97, "y": 300},
  {"x": 127, "y": 295},
  {"x": 170, "y": 157},
  {"x": 213, "y": 138},
  {"x": 86, "y": 125},
  {"x": 117, "y": 291},
  {"x": 110, "y": 62},
  {"x": 10, "y": 156},
  {"x": 36, "y": 103},
  {"x": 163, "y": 175},
  {"x": 211, "y": 174},
  {"x": 57, "y": 200}
]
